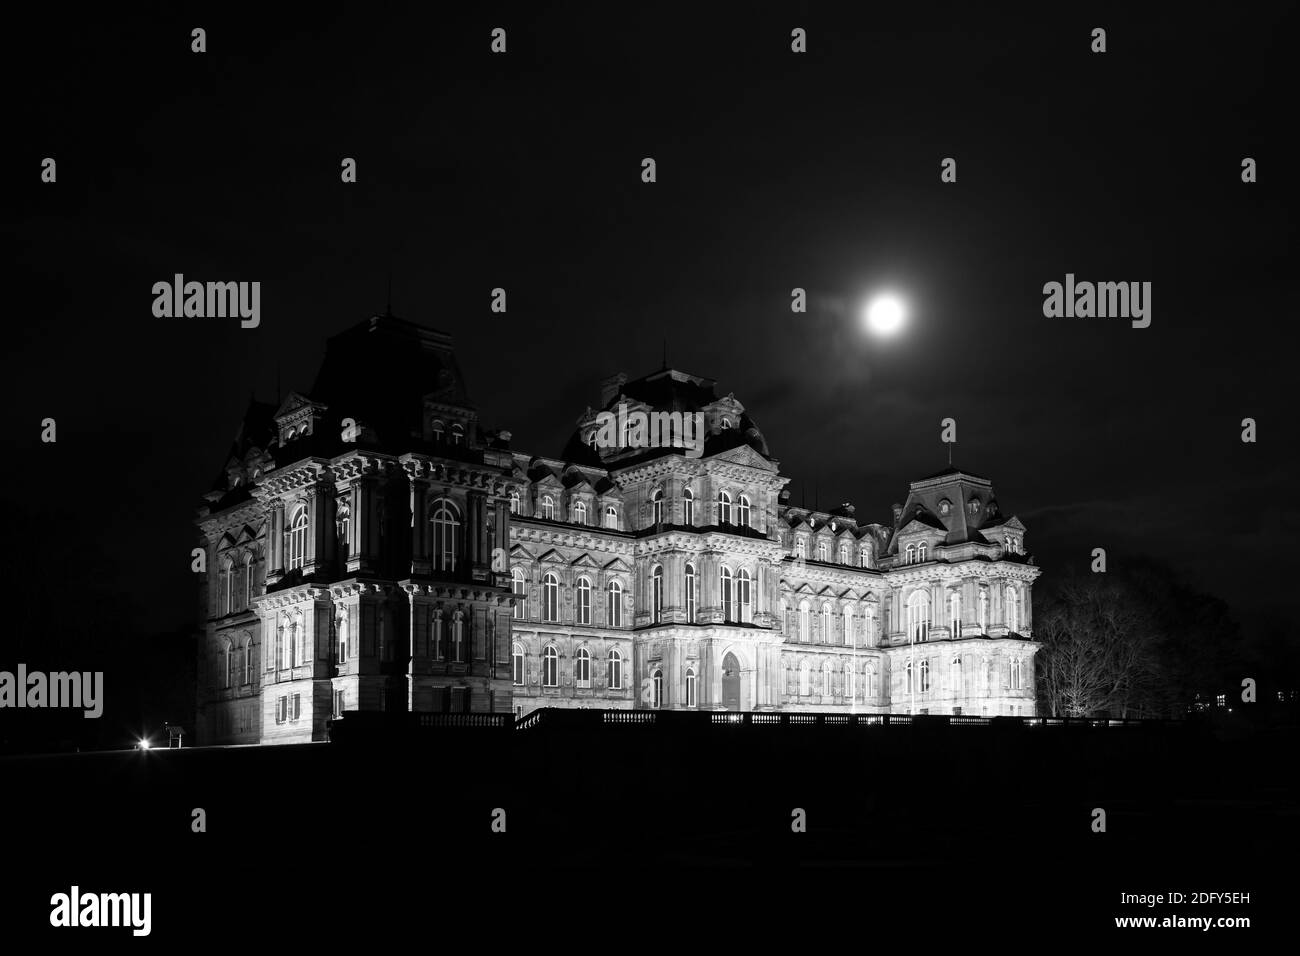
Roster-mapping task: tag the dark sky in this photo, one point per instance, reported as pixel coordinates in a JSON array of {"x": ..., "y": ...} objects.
[{"x": 775, "y": 170}]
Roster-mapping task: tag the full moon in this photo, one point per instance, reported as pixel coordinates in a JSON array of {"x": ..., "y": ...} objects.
[{"x": 885, "y": 315}]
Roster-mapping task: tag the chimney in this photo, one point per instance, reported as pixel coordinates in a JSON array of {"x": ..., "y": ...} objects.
[{"x": 898, "y": 513}]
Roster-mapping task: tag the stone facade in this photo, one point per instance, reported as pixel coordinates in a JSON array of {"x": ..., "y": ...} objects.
[{"x": 370, "y": 547}]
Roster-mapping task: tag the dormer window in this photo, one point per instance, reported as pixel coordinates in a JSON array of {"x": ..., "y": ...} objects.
[
  {"x": 911, "y": 554},
  {"x": 920, "y": 551},
  {"x": 726, "y": 422},
  {"x": 945, "y": 507},
  {"x": 457, "y": 433},
  {"x": 973, "y": 505},
  {"x": 439, "y": 429},
  {"x": 548, "y": 507},
  {"x": 293, "y": 433}
]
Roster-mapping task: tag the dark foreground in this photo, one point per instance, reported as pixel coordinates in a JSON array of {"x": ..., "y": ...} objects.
[{"x": 922, "y": 833}]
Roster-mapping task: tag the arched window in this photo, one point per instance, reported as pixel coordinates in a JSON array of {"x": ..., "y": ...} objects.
[
  {"x": 688, "y": 506},
  {"x": 582, "y": 667},
  {"x": 226, "y": 603},
  {"x": 341, "y": 633},
  {"x": 518, "y": 587},
  {"x": 984, "y": 610},
  {"x": 550, "y": 598},
  {"x": 584, "y": 601},
  {"x": 1015, "y": 675},
  {"x": 657, "y": 506},
  {"x": 918, "y": 616},
  {"x": 849, "y": 636},
  {"x": 248, "y": 579},
  {"x": 548, "y": 507},
  {"x": 517, "y": 663},
  {"x": 248, "y": 660},
  {"x": 805, "y": 622},
  {"x": 614, "y": 666},
  {"x": 1013, "y": 609},
  {"x": 579, "y": 512},
  {"x": 439, "y": 430},
  {"x": 611, "y": 517},
  {"x": 920, "y": 551},
  {"x": 457, "y": 433},
  {"x": 925, "y": 677},
  {"x": 742, "y": 512},
  {"x": 850, "y": 681},
  {"x": 690, "y": 593},
  {"x": 826, "y": 623},
  {"x": 956, "y": 676},
  {"x": 300, "y": 643},
  {"x": 614, "y": 604},
  {"x": 726, "y": 423},
  {"x": 657, "y": 593},
  {"x": 514, "y": 502},
  {"x": 658, "y": 686},
  {"x": 805, "y": 679},
  {"x": 784, "y": 616},
  {"x": 822, "y": 550},
  {"x": 690, "y": 687},
  {"x": 954, "y": 613},
  {"x": 298, "y": 539},
  {"x": 744, "y": 587},
  {"x": 724, "y": 508},
  {"x": 844, "y": 553},
  {"x": 907, "y": 673},
  {"x": 727, "y": 594},
  {"x": 911, "y": 554},
  {"x": 458, "y": 649},
  {"x": 827, "y": 686},
  {"x": 227, "y": 664},
  {"x": 446, "y": 534},
  {"x": 864, "y": 556},
  {"x": 550, "y": 666}
]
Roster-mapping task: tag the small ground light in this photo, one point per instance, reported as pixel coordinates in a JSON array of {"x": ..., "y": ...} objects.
[{"x": 144, "y": 743}]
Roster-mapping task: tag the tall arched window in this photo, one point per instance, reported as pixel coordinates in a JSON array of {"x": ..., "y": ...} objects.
[
  {"x": 550, "y": 598},
  {"x": 584, "y": 601},
  {"x": 984, "y": 610},
  {"x": 827, "y": 685},
  {"x": 300, "y": 643},
  {"x": 341, "y": 633},
  {"x": 954, "y": 613},
  {"x": 657, "y": 593},
  {"x": 911, "y": 554},
  {"x": 822, "y": 550},
  {"x": 871, "y": 682},
  {"x": 611, "y": 517},
  {"x": 514, "y": 502},
  {"x": 519, "y": 588},
  {"x": 614, "y": 677},
  {"x": 657, "y": 680},
  {"x": 1015, "y": 675},
  {"x": 227, "y": 664},
  {"x": 742, "y": 512},
  {"x": 690, "y": 687},
  {"x": 657, "y": 507},
  {"x": 745, "y": 595},
  {"x": 805, "y": 622},
  {"x": 688, "y": 506},
  {"x": 550, "y": 666},
  {"x": 844, "y": 553},
  {"x": 614, "y": 604},
  {"x": 548, "y": 507},
  {"x": 226, "y": 602},
  {"x": 864, "y": 556},
  {"x": 918, "y": 616},
  {"x": 248, "y": 579},
  {"x": 925, "y": 677},
  {"x": 1013, "y": 609},
  {"x": 298, "y": 539},
  {"x": 920, "y": 551},
  {"x": 690, "y": 593},
  {"x": 446, "y": 534},
  {"x": 849, "y": 637},
  {"x": 727, "y": 594},
  {"x": 850, "y": 681},
  {"x": 784, "y": 616},
  {"x": 582, "y": 667},
  {"x": 517, "y": 663},
  {"x": 907, "y": 673},
  {"x": 826, "y": 623},
  {"x": 439, "y": 430},
  {"x": 956, "y": 676},
  {"x": 248, "y": 660},
  {"x": 805, "y": 679},
  {"x": 579, "y": 512},
  {"x": 724, "y": 508}
]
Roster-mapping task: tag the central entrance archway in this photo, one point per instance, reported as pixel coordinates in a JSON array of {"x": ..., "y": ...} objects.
[{"x": 731, "y": 682}]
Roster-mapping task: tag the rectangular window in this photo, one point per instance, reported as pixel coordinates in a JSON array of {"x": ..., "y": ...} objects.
[{"x": 297, "y": 706}]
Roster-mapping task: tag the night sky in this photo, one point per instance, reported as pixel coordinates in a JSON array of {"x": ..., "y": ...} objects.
[{"x": 775, "y": 170}]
